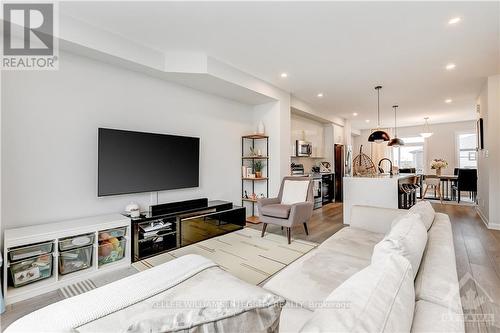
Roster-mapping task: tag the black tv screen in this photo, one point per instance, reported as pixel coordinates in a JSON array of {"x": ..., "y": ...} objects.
[{"x": 133, "y": 162}]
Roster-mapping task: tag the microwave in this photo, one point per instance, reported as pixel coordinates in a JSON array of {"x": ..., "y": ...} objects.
[{"x": 303, "y": 148}]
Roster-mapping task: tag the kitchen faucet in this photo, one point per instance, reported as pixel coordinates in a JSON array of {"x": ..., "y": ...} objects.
[{"x": 380, "y": 163}]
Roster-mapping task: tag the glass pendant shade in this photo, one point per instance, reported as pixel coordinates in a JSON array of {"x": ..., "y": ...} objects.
[
  {"x": 395, "y": 142},
  {"x": 378, "y": 136},
  {"x": 426, "y": 133}
]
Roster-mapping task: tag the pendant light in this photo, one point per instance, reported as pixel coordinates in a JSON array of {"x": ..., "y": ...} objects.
[
  {"x": 427, "y": 130},
  {"x": 395, "y": 142},
  {"x": 378, "y": 136}
]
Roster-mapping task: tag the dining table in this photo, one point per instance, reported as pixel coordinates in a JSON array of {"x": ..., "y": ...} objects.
[{"x": 447, "y": 181}]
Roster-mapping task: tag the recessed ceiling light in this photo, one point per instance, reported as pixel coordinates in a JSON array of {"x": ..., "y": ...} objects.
[
  {"x": 454, "y": 20},
  {"x": 284, "y": 75},
  {"x": 450, "y": 66},
  {"x": 448, "y": 101},
  {"x": 320, "y": 95},
  {"x": 367, "y": 120},
  {"x": 355, "y": 114}
]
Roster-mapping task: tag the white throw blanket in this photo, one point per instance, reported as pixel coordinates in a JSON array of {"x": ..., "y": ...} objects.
[{"x": 69, "y": 314}]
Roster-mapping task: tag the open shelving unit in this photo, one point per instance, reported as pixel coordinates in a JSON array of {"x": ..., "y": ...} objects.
[
  {"x": 53, "y": 233},
  {"x": 249, "y": 161}
]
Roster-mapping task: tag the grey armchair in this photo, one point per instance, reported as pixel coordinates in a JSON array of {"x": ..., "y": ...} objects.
[{"x": 287, "y": 214}]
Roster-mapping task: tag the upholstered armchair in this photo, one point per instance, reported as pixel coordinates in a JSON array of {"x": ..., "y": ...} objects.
[{"x": 293, "y": 205}]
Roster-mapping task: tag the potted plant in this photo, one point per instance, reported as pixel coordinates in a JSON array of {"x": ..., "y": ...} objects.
[
  {"x": 438, "y": 164},
  {"x": 258, "y": 169}
]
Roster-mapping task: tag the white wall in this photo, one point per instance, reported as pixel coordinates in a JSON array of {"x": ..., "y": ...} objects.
[
  {"x": 489, "y": 158},
  {"x": 442, "y": 144},
  {"x": 49, "y": 137}
]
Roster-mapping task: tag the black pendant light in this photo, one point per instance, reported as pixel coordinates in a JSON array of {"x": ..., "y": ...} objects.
[
  {"x": 378, "y": 136},
  {"x": 395, "y": 142}
]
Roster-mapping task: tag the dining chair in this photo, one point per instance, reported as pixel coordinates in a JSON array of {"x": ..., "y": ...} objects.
[
  {"x": 466, "y": 181},
  {"x": 433, "y": 182}
]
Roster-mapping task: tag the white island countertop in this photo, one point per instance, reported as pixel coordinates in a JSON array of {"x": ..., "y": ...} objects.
[{"x": 381, "y": 190}]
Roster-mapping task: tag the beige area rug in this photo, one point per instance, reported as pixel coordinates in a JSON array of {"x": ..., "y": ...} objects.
[{"x": 242, "y": 253}]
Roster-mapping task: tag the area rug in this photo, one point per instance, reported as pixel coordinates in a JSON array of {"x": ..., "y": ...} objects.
[{"x": 244, "y": 254}]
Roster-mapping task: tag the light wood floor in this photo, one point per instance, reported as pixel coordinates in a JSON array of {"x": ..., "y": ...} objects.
[{"x": 477, "y": 254}]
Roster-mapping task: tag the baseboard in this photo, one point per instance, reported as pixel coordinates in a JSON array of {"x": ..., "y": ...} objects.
[
  {"x": 481, "y": 215},
  {"x": 494, "y": 226}
]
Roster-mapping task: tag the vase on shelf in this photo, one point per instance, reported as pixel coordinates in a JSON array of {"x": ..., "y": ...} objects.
[
  {"x": 258, "y": 174},
  {"x": 438, "y": 172},
  {"x": 261, "y": 128}
]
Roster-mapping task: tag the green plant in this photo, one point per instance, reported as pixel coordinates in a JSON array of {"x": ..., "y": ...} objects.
[{"x": 258, "y": 166}]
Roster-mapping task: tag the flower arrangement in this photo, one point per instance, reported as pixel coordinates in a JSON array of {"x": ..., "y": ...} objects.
[{"x": 439, "y": 164}]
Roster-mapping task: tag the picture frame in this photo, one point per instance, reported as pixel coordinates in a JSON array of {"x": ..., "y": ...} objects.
[{"x": 480, "y": 134}]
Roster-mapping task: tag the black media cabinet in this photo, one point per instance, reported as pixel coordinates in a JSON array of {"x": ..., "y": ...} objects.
[{"x": 167, "y": 227}]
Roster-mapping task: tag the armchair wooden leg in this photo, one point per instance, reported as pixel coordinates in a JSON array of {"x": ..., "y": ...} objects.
[
  {"x": 305, "y": 228},
  {"x": 289, "y": 235},
  {"x": 264, "y": 226}
]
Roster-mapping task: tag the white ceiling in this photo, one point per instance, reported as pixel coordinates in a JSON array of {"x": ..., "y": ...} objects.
[{"x": 342, "y": 49}]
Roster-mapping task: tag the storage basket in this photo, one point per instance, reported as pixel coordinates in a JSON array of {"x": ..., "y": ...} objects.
[
  {"x": 31, "y": 270},
  {"x": 112, "y": 233},
  {"x": 111, "y": 250},
  {"x": 23, "y": 252},
  {"x": 75, "y": 259},
  {"x": 76, "y": 241}
]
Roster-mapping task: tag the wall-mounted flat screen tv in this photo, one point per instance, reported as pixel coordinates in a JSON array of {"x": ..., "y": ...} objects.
[{"x": 133, "y": 162}]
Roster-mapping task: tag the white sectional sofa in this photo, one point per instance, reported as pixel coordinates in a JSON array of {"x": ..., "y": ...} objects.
[
  {"x": 339, "y": 286},
  {"x": 311, "y": 279}
]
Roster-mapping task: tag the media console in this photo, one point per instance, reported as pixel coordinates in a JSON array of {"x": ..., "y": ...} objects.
[{"x": 173, "y": 225}]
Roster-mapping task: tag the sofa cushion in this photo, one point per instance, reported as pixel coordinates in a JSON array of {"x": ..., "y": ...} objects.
[
  {"x": 276, "y": 210},
  {"x": 437, "y": 279},
  {"x": 311, "y": 278},
  {"x": 352, "y": 241},
  {"x": 380, "y": 298},
  {"x": 430, "y": 317},
  {"x": 426, "y": 212},
  {"x": 407, "y": 238},
  {"x": 294, "y": 191},
  {"x": 293, "y": 318}
]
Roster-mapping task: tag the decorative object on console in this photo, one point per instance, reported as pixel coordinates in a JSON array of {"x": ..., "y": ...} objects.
[
  {"x": 131, "y": 206},
  {"x": 378, "y": 136},
  {"x": 258, "y": 162},
  {"x": 395, "y": 142},
  {"x": 438, "y": 164}
]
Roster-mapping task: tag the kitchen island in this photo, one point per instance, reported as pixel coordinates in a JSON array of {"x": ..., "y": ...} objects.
[{"x": 381, "y": 190}]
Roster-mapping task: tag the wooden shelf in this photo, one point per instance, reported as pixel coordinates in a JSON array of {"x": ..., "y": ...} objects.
[
  {"x": 253, "y": 219},
  {"x": 255, "y": 157},
  {"x": 307, "y": 157},
  {"x": 255, "y": 136},
  {"x": 261, "y": 178},
  {"x": 249, "y": 200}
]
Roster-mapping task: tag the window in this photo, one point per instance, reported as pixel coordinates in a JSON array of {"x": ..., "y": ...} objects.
[
  {"x": 467, "y": 154},
  {"x": 411, "y": 155}
]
